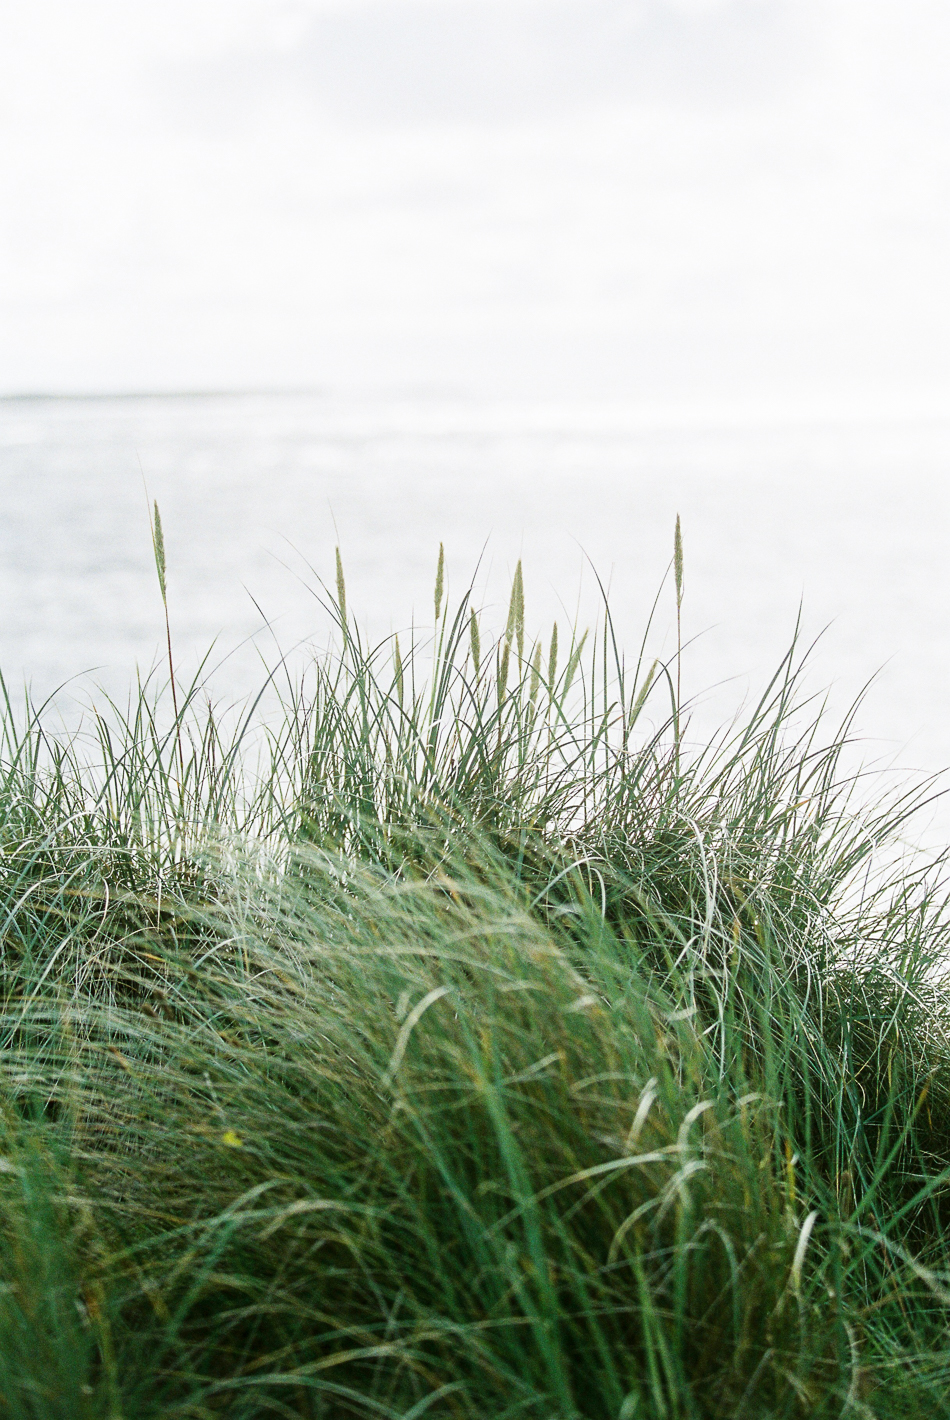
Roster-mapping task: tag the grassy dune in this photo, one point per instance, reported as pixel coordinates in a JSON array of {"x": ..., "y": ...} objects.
[{"x": 465, "y": 1043}]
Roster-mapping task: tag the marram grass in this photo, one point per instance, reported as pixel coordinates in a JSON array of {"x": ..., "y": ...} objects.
[{"x": 467, "y": 1044}]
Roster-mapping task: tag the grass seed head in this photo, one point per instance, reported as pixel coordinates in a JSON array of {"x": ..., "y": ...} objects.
[
  {"x": 475, "y": 640},
  {"x": 439, "y": 581},
  {"x": 397, "y": 668},
  {"x": 678, "y": 562},
  {"x": 340, "y": 587},
  {"x": 158, "y": 544},
  {"x": 517, "y": 593}
]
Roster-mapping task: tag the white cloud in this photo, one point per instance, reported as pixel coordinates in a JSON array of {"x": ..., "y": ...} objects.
[
  {"x": 425, "y": 61},
  {"x": 654, "y": 193}
]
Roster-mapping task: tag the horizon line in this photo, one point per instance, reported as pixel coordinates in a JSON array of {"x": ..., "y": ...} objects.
[{"x": 236, "y": 392}]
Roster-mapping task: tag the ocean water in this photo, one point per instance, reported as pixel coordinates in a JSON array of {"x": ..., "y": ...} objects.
[{"x": 843, "y": 523}]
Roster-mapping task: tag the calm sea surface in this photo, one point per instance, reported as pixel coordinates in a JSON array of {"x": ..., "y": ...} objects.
[{"x": 848, "y": 520}]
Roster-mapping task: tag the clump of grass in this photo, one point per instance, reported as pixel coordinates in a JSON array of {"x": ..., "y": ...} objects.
[{"x": 467, "y": 1042}]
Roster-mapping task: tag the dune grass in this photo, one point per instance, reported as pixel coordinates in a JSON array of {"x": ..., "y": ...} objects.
[{"x": 466, "y": 1042}]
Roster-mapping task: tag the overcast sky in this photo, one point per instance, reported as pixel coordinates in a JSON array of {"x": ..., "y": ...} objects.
[{"x": 649, "y": 200}]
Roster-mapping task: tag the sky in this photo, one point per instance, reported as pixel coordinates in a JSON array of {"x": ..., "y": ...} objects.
[{"x": 705, "y": 203}]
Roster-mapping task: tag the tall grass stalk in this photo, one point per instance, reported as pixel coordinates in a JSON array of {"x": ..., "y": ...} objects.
[{"x": 158, "y": 548}]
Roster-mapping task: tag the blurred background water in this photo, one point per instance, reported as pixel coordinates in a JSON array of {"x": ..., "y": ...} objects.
[{"x": 844, "y": 519}]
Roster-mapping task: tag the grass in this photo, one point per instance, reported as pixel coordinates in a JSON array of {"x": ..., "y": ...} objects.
[{"x": 466, "y": 1042}]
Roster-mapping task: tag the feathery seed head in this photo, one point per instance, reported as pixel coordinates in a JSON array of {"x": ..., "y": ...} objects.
[
  {"x": 503, "y": 671},
  {"x": 397, "y": 667},
  {"x": 514, "y": 630},
  {"x": 518, "y": 591},
  {"x": 439, "y": 581},
  {"x": 158, "y": 545},
  {"x": 476, "y": 641},
  {"x": 574, "y": 662},
  {"x": 678, "y": 562},
  {"x": 340, "y": 587},
  {"x": 644, "y": 691}
]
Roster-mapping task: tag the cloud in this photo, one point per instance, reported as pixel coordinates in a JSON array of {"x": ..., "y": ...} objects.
[
  {"x": 229, "y": 190},
  {"x": 394, "y": 62}
]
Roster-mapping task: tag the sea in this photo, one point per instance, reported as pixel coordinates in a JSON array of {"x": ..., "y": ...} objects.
[{"x": 795, "y": 524}]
